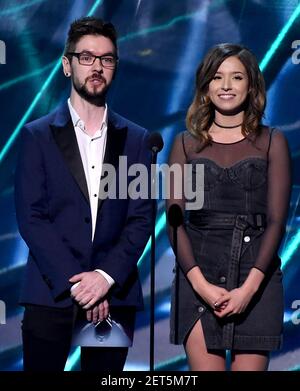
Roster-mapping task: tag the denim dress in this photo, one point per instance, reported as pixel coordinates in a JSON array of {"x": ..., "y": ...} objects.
[{"x": 232, "y": 233}]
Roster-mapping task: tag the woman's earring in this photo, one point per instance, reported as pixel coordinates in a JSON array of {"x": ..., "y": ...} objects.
[{"x": 67, "y": 74}]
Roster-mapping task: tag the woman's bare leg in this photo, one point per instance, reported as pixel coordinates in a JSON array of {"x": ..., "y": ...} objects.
[
  {"x": 198, "y": 357},
  {"x": 249, "y": 361}
]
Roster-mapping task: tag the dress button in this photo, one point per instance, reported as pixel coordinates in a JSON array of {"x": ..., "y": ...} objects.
[
  {"x": 223, "y": 279},
  {"x": 247, "y": 239},
  {"x": 200, "y": 309}
]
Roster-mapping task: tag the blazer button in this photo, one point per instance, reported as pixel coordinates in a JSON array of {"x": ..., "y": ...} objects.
[
  {"x": 223, "y": 279},
  {"x": 87, "y": 220}
]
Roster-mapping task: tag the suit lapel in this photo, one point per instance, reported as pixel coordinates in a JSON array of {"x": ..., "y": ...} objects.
[
  {"x": 65, "y": 138},
  {"x": 64, "y": 135},
  {"x": 115, "y": 142}
]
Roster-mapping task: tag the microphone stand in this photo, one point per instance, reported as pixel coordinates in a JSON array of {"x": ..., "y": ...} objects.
[
  {"x": 155, "y": 144},
  {"x": 152, "y": 263}
]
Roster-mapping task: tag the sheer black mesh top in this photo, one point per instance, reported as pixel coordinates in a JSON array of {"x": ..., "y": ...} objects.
[{"x": 252, "y": 175}]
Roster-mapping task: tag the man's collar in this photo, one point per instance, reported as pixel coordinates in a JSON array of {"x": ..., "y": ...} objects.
[
  {"x": 77, "y": 121},
  {"x": 62, "y": 116}
]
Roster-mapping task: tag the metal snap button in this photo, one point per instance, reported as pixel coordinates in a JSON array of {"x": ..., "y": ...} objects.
[
  {"x": 247, "y": 239},
  {"x": 223, "y": 279},
  {"x": 200, "y": 309}
]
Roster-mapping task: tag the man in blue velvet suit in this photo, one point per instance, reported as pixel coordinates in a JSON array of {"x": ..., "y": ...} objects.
[{"x": 83, "y": 249}]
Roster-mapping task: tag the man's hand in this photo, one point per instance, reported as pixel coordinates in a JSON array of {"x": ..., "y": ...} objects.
[
  {"x": 99, "y": 312},
  {"x": 93, "y": 287}
]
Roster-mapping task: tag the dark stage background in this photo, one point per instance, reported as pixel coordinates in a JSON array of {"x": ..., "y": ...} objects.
[{"x": 161, "y": 43}]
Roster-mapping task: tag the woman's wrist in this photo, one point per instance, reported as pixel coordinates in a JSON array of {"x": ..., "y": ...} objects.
[
  {"x": 249, "y": 288},
  {"x": 253, "y": 281},
  {"x": 197, "y": 280}
]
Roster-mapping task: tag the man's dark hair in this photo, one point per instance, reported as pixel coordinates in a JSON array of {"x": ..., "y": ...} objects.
[{"x": 89, "y": 26}]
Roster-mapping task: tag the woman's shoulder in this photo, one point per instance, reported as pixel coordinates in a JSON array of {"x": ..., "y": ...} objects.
[
  {"x": 185, "y": 135},
  {"x": 189, "y": 139},
  {"x": 186, "y": 139},
  {"x": 272, "y": 137},
  {"x": 270, "y": 131},
  {"x": 185, "y": 143}
]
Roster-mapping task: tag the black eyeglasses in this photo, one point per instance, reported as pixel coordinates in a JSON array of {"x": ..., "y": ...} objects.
[{"x": 107, "y": 60}]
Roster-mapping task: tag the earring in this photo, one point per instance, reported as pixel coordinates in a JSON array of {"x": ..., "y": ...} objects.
[{"x": 67, "y": 74}]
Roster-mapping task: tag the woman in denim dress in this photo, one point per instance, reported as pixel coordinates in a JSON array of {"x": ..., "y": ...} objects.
[{"x": 228, "y": 294}]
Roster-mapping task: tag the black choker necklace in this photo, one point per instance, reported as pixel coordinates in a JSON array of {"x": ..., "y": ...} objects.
[{"x": 227, "y": 127}]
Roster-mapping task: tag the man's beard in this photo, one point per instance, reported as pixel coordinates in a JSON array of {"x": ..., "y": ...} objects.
[{"x": 95, "y": 98}]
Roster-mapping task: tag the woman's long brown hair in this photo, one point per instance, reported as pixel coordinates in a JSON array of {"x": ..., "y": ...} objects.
[{"x": 201, "y": 112}]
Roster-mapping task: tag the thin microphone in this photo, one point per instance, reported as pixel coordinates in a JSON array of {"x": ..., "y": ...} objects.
[
  {"x": 175, "y": 216},
  {"x": 155, "y": 142}
]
